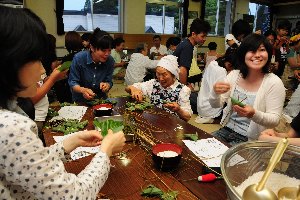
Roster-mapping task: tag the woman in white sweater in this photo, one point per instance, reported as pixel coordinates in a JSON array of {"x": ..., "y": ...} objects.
[{"x": 262, "y": 94}]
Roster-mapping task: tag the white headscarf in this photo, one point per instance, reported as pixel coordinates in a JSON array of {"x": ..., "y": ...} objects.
[{"x": 170, "y": 63}]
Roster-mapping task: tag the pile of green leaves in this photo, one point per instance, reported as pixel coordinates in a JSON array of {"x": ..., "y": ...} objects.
[
  {"x": 69, "y": 126},
  {"x": 114, "y": 125},
  {"x": 52, "y": 112},
  {"x": 101, "y": 101},
  {"x": 138, "y": 106},
  {"x": 152, "y": 191},
  {"x": 68, "y": 104}
]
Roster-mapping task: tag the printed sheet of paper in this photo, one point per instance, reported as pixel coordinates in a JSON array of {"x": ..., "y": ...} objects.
[
  {"x": 209, "y": 150},
  {"x": 79, "y": 152},
  {"x": 71, "y": 112}
]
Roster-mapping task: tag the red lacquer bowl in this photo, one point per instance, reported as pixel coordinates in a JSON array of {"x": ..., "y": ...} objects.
[
  {"x": 166, "y": 156},
  {"x": 103, "y": 110}
]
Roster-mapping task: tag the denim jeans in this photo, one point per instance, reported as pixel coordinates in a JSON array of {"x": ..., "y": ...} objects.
[
  {"x": 229, "y": 136},
  {"x": 193, "y": 102},
  {"x": 293, "y": 107}
]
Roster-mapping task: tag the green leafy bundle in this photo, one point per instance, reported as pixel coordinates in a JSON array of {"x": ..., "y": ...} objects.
[
  {"x": 101, "y": 101},
  {"x": 68, "y": 104},
  {"x": 69, "y": 126},
  {"x": 114, "y": 125},
  {"x": 66, "y": 65},
  {"x": 193, "y": 137},
  {"x": 234, "y": 101},
  {"x": 152, "y": 191},
  {"x": 138, "y": 106},
  {"x": 52, "y": 112}
]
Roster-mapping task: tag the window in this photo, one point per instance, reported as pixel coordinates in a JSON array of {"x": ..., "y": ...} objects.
[
  {"x": 86, "y": 15},
  {"x": 218, "y": 13},
  {"x": 163, "y": 16},
  {"x": 261, "y": 15}
]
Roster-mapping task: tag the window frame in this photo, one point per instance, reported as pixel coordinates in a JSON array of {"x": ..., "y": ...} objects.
[
  {"x": 165, "y": 3},
  {"x": 230, "y": 9},
  {"x": 120, "y": 18}
]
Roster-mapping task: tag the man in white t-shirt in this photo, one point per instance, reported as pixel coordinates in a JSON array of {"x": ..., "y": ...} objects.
[
  {"x": 158, "y": 49},
  {"x": 138, "y": 65}
]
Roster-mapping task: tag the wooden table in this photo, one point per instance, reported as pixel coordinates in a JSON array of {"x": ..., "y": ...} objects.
[{"x": 134, "y": 170}]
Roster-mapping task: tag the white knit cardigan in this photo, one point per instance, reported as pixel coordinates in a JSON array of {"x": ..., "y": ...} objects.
[{"x": 268, "y": 103}]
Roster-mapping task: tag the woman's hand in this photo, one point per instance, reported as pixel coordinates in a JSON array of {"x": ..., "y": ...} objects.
[
  {"x": 269, "y": 138},
  {"x": 246, "y": 111},
  {"x": 82, "y": 138},
  {"x": 113, "y": 142},
  {"x": 58, "y": 75},
  {"x": 221, "y": 87},
  {"x": 87, "y": 93},
  {"x": 174, "y": 106},
  {"x": 89, "y": 138},
  {"x": 269, "y": 135},
  {"x": 269, "y": 132},
  {"x": 297, "y": 74},
  {"x": 104, "y": 86},
  {"x": 137, "y": 94}
]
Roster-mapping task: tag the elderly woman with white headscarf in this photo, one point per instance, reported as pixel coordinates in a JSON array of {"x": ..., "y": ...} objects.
[{"x": 165, "y": 91}]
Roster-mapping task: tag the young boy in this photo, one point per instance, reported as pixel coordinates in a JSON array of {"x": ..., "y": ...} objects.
[{"x": 184, "y": 51}]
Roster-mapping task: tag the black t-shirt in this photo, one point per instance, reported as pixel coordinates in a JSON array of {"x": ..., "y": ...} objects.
[
  {"x": 184, "y": 52},
  {"x": 296, "y": 124}
]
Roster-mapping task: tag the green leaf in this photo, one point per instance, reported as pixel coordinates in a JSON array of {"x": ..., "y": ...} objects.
[
  {"x": 117, "y": 129},
  {"x": 152, "y": 191},
  {"x": 66, "y": 65},
  {"x": 114, "y": 125},
  {"x": 52, "y": 112},
  {"x": 113, "y": 102},
  {"x": 193, "y": 137},
  {"x": 234, "y": 101},
  {"x": 169, "y": 195}
]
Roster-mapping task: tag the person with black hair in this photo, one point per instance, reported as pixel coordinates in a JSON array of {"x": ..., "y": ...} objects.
[
  {"x": 215, "y": 71},
  {"x": 184, "y": 51},
  {"x": 39, "y": 103},
  {"x": 29, "y": 170},
  {"x": 293, "y": 106},
  {"x": 271, "y": 37},
  {"x": 117, "y": 54},
  {"x": 240, "y": 29},
  {"x": 91, "y": 71},
  {"x": 282, "y": 43},
  {"x": 211, "y": 54},
  {"x": 86, "y": 40},
  {"x": 158, "y": 50},
  {"x": 171, "y": 44},
  {"x": 290, "y": 78},
  {"x": 138, "y": 65},
  {"x": 254, "y": 96},
  {"x": 73, "y": 44},
  {"x": 50, "y": 60}
]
